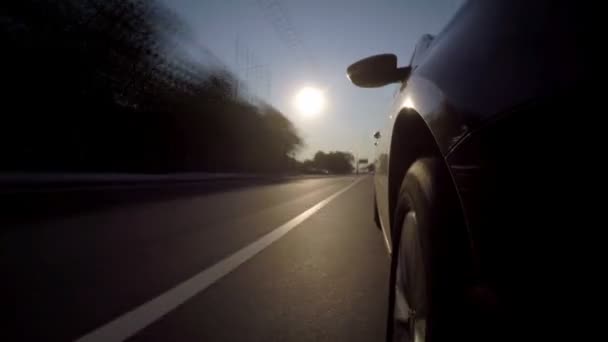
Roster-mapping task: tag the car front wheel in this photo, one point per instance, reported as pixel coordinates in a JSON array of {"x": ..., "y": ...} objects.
[{"x": 428, "y": 269}]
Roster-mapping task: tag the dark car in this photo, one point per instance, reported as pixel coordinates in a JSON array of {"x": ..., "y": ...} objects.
[{"x": 465, "y": 189}]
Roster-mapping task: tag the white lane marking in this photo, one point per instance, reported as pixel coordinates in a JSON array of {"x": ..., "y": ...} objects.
[
  {"x": 137, "y": 319},
  {"x": 386, "y": 243}
]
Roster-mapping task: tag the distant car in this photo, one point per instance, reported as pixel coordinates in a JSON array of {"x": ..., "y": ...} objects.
[{"x": 462, "y": 167}]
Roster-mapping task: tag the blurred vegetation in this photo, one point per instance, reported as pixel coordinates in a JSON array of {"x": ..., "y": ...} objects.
[
  {"x": 112, "y": 86},
  {"x": 335, "y": 162}
]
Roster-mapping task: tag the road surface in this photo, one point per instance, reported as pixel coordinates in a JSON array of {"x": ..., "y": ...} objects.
[{"x": 283, "y": 260}]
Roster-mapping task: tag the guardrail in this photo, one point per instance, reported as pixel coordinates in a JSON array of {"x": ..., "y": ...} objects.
[
  {"x": 56, "y": 181},
  {"x": 42, "y": 181}
]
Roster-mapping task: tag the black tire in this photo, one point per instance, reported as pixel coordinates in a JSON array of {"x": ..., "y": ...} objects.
[{"x": 430, "y": 261}]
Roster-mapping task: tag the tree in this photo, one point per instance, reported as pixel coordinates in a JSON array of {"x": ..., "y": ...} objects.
[
  {"x": 334, "y": 162},
  {"x": 112, "y": 85}
]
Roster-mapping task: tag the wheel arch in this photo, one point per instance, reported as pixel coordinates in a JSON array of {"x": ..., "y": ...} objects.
[{"x": 411, "y": 139}]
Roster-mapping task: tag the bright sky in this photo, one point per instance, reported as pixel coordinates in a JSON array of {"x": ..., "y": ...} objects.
[{"x": 309, "y": 44}]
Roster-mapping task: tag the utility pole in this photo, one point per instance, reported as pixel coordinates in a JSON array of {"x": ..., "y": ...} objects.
[{"x": 236, "y": 66}]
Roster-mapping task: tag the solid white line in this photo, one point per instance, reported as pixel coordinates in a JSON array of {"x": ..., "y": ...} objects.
[
  {"x": 386, "y": 243},
  {"x": 137, "y": 319}
]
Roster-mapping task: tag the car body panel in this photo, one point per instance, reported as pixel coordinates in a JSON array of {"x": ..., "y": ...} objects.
[{"x": 492, "y": 57}]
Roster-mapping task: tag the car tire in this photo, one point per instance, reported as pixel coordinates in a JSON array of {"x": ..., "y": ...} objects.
[{"x": 429, "y": 272}]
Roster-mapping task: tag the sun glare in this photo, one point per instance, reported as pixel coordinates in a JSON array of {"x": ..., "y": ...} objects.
[{"x": 310, "y": 101}]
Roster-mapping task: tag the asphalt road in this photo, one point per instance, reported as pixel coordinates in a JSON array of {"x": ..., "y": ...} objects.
[{"x": 273, "y": 260}]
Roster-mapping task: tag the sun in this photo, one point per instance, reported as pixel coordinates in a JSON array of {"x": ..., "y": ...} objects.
[{"x": 310, "y": 101}]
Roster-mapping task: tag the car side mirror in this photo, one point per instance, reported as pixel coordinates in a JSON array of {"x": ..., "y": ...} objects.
[{"x": 377, "y": 71}]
